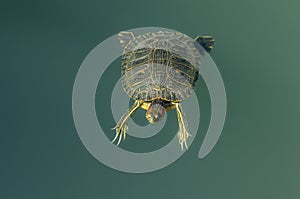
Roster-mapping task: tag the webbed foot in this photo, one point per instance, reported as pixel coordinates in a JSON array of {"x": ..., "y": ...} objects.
[
  {"x": 182, "y": 138},
  {"x": 120, "y": 132},
  {"x": 183, "y": 133},
  {"x": 122, "y": 126}
]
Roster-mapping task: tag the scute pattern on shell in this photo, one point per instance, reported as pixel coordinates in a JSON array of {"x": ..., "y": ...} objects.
[
  {"x": 159, "y": 65},
  {"x": 176, "y": 42}
]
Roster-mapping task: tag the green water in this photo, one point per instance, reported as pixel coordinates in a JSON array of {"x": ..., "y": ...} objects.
[{"x": 42, "y": 46}]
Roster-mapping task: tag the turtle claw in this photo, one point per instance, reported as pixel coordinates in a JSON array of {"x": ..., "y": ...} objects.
[
  {"x": 182, "y": 137},
  {"x": 117, "y": 134},
  {"x": 120, "y": 132}
]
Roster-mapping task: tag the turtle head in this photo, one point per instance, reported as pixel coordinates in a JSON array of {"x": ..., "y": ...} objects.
[{"x": 155, "y": 112}]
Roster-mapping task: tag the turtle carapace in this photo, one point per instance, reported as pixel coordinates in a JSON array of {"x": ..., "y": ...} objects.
[{"x": 159, "y": 70}]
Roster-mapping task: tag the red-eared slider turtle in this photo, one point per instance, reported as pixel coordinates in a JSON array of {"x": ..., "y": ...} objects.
[{"x": 159, "y": 70}]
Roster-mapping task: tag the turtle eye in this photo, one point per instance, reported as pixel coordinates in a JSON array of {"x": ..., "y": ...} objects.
[{"x": 155, "y": 112}]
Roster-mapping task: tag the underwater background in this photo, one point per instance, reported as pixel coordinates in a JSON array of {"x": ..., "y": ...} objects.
[{"x": 43, "y": 44}]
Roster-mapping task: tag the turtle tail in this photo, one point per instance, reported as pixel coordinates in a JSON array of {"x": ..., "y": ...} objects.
[{"x": 207, "y": 42}]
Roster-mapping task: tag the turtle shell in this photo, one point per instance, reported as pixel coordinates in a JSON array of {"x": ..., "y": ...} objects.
[{"x": 159, "y": 65}]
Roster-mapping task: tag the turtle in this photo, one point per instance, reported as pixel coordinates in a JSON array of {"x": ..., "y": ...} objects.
[{"x": 159, "y": 70}]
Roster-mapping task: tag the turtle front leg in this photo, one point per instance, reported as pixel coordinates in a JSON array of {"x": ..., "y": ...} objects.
[
  {"x": 183, "y": 133},
  {"x": 122, "y": 127}
]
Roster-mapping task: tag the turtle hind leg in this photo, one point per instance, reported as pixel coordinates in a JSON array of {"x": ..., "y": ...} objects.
[
  {"x": 207, "y": 42},
  {"x": 125, "y": 38},
  {"x": 183, "y": 133},
  {"x": 122, "y": 127}
]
